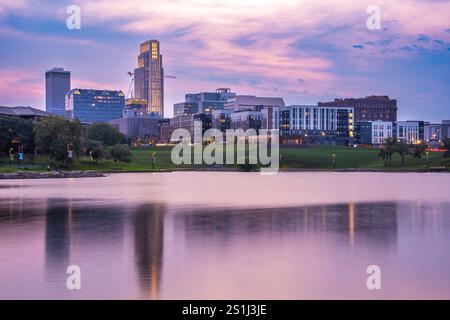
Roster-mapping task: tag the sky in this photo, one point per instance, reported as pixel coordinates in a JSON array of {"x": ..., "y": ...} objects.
[{"x": 305, "y": 51}]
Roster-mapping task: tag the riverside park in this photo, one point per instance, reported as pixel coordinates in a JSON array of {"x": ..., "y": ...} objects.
[{"x": 291, "y": 158}]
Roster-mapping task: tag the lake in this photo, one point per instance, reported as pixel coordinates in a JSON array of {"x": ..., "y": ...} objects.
[{"x": 227, "y": 235}]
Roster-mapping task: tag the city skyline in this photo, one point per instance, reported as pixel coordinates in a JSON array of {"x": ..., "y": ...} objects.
[{"x": 263, "y": 48}]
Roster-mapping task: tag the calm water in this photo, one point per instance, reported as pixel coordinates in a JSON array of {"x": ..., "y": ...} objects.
[{"x": 227, "y": 235}]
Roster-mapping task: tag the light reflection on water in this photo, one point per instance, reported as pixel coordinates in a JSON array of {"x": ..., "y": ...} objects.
[{"x": 155, "y": 250}]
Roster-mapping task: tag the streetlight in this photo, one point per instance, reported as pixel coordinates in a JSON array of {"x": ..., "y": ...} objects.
[
  {"x": 69, "y": 155},
  {"x": 11, "y": 156},
  {"x": 153, "y": 160},
  {"x": 91, "y": 160}
]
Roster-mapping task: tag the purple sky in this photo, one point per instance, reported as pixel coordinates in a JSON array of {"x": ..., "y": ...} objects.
[{"x": 303, "y": 50}]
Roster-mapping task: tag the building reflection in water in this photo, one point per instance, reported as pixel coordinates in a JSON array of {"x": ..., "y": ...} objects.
[
  {"x": 57, "y": 238},
  {"x": 83, "y": 226},
  {"x": 77, "y": 231},
  {"x": 359, "y": 222},
  {"x": 78, "y": 226},
  {"x": 148, "y": 246}
]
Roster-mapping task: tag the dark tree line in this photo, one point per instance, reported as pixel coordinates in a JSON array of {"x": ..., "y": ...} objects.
[
  {"x": 392, "y": 146},
  {"x": 14, "y": 131},
  {"x": 59, "y": 137}
]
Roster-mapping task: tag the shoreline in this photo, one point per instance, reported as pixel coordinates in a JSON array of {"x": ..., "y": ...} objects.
[{"x": 26, "y": 175}]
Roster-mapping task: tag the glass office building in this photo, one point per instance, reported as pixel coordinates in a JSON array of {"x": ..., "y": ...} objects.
[
  {"x": 203, "y": 102},
  {"x": 149, "y": 77},
  {"x": 90, "y": 106},
  {"x": 57, "y": 85}
]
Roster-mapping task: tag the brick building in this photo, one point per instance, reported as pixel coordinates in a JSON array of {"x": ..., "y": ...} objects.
[{"x": 371, "y": 108}]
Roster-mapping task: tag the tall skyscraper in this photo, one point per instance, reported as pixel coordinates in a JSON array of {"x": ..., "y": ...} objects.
[
  {"x": 149, "y": 77},
  {"x": 57, "y": 85}
]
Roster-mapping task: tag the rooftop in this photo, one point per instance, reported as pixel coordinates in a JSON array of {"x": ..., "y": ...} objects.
[
  {"x": 96, "y": 92},
  {"x": 58, "y": 70},
  {"x": 23, "y": 111},
  {"x": 253, "y": 100}
]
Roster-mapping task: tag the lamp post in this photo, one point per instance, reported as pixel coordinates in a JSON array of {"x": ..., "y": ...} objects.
[
  {"x": 153, "y": 160},
  {"x": 428, "y": 160},
  {"x": 333, "y": 159},
  {"x": 91, "y": 160},
  {"x": 69, "y": 156},
  {"x": 11, "y": 157}
]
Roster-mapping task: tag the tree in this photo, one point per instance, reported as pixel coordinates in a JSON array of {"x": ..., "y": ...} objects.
[
  {"x": 15, "y": 132},
  {"x": 402, "y": 149},
  {"x": 384, "y": 156},
  {"x": 446, "y": 153},
  {"x": 121, "y": 153},
  {"x": 387, "y": 151},
  {"x": 95, "y": 149},
  {"x": 105, "y": 133},
  {"x": 419, "y": 150},
  {"x": 56, "y": 136}
]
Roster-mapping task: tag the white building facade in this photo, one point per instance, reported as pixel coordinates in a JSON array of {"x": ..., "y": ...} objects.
[
  {"x": 381, "y": 130},
  {"x": 314, "y": 118},
  {"x": 411, "y": 132}
]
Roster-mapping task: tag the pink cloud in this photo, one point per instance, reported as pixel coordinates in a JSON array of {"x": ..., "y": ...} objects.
[
  {"x": 8, "y": 6},
  {"x": 46, "y": 38},
  {"x": 274, "y": 25},
  {"x": 199, "y": 37},
  {"x": 18, "y": 87}
]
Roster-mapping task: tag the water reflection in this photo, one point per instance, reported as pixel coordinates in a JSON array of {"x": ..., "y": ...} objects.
[
  {"x": 150, "y": 249},
  {"x": 81, "y": 226},
  {"x": 58, "y": 219},
  {"x": 148, "y": 246},
  {"x": 360, "y": 222}
]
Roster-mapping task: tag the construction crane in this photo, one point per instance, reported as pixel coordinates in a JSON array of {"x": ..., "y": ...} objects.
[{"x": 130, "y": 88}]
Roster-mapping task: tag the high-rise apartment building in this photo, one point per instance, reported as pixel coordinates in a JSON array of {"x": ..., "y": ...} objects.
[
  {"x": 149, "y": 77},
  {"x": 313, "y": 124},
  {"x": 57, "y": 85}
]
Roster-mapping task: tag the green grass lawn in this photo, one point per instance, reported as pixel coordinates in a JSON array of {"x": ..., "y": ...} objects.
[
  {"x": 314, "y": 157},
  {"x": 355, "y": 158},
  {"x": 141, "y": 161}
]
